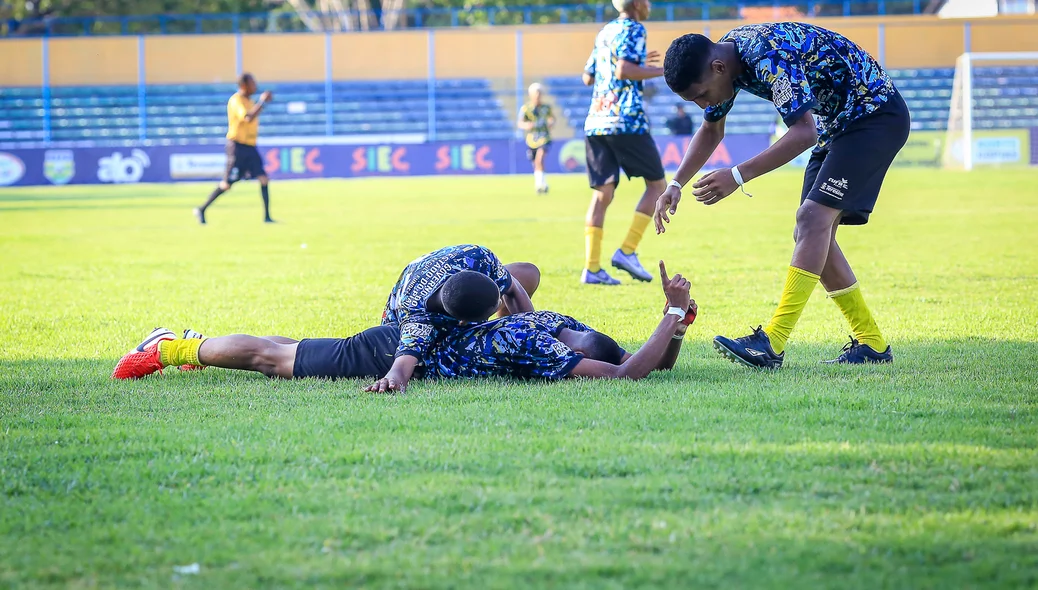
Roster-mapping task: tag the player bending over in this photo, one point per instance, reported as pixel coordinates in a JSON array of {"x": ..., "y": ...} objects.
[
  {"x": 243, "y": 159},
  {"x": 539, "y": 344},
  {"x": 444, "y": 289},
  {"x": 617, "y": 137},
  {"x": 862, "y": 124},
  {"x": 536, "y": 119}
]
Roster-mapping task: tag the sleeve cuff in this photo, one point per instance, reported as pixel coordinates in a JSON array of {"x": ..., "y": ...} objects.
[
  {"x": 795, "y": 115},
  {"x": 569, "y": 366}
]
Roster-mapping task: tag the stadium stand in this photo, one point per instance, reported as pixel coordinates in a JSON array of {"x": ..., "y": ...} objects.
[{"x": 466, "y": 109}]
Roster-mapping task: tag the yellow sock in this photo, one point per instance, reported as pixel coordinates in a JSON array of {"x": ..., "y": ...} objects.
[
  {"x": 799, "y": 284},
  {"x": 173, "y": 353},
  {"x": 852, "y": 303},
  {"x": 593, "y": 248},
  {"x": 634, "y": 235}
]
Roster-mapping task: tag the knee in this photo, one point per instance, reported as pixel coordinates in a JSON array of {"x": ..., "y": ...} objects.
[
  {"x": 263, "y": 180},
  {"x": 225, "y": 186},
  {"x": 603, "y": 196},
  {"x": 656, "y": 186},
  {"x": 814, "y": 222},
  {"x": 528, "y": 275}
]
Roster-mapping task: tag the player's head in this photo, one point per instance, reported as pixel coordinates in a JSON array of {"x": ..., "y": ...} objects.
[
  {"x": 534, "y": 91},
  {"x": 247, "y": 84},
  {"x": 695, "y": 71},
  {"x": 636, "y": 9},
  {"x": 679, "y": 109},
  {"x": 470, "y": 296},
  {"x": 593, "y": 345}
]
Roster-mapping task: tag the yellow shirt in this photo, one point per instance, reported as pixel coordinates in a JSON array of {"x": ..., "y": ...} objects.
[{"x": 238, "y": 129}]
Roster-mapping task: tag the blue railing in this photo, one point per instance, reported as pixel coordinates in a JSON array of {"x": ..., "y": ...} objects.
[{"x": 166, "y": 24}]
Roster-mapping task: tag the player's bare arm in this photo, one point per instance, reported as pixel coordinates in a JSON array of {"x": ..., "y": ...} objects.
[
  {"x": 648, "y": 358},
  {"x": 628, "y": 70},
  {"x": 516, "y": 299},
  {"x": 720, "y": 183},
  {"x": 702, "y": 146},
  {"x": 254, "y": 112},
  {"x": 398, "y": 376}
]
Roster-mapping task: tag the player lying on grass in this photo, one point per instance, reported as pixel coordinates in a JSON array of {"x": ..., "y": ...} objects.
[
  {"x": 539, "y": 344},
  {"x": 862, "y": 124},
  {"x": 443, "y": 289}
]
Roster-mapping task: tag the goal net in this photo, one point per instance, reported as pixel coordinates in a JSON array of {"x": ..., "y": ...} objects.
[{"x": 994, "y": 104}]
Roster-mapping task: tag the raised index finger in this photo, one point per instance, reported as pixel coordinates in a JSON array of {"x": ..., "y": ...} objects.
[{"x": 663, "y": 273}]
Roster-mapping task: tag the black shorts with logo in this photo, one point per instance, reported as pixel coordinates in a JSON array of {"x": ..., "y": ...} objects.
[
  {"x": 368, "y": 354},
  {"x": 635, "y": 154},
  {"x": 531, "y": 153},
  {"x": 243, "y": 162},
  {"x": 848, "y": 174}
]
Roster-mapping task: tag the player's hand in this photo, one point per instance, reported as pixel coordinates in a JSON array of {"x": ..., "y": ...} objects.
[
  {"x": 666, "y": 203},
  {"x": 715, "y": 186},
  {"x": 676, "y": 288},
  {"x": 267, "y": 96},
  {"x": 652, "y": 58},
  {"x": 387, "y": 384}
]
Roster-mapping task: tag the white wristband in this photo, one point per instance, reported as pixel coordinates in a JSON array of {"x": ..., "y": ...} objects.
[
  {"x": 676, "y": 311},
  {"x": 675, "y": 184},
  {"x": 737, "y": 175}
]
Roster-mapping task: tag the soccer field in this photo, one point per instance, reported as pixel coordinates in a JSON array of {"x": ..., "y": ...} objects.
[{"x": 920, "y": 474}]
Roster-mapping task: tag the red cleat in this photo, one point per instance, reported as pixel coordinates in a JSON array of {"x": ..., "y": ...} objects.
[{"x": 143, "y": 360}]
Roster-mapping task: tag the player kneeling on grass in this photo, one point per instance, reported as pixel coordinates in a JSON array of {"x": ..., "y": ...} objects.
[
  {"x": 862, "y": 124},
  {"x": 539, "y": 344}
]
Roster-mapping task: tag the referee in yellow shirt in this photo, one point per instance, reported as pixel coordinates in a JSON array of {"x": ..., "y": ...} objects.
[{"x": 243, "y": 159}]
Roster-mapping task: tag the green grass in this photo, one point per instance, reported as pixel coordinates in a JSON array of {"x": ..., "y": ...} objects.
[{"x": 923, "y": 474}]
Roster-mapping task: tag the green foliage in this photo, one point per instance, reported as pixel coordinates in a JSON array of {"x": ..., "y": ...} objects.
[{"x": 922, "y": 474}]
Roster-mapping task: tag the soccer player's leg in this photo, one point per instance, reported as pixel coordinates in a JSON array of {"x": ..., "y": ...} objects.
[
  {"x": 247, "y": 353},
  {"x": 232, "y": 174},
  {"x": 603, "y": 170},
  {"x": 639, "y": 158},
  {"x": 256, "y": 170},
  {"x": 368, "y": 354}
]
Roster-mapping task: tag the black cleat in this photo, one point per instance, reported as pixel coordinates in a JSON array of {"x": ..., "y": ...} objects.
[
  {"x": 752, "y": 351},
  {"x": 856, "y": 353},
  {"x": 200, "y": 215},
  {"x": 269, "y": 220}
]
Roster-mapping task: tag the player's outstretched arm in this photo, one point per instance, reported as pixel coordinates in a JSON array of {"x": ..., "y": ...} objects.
[
  {"x": 398, "y": 376},
  {"x": 720, "y": 183},
  {"x": 702, "y": 146},
  {"x": 648, "y": 357},
  {"x": 516, "y": 299},
  {"x": 628, "y": 70}
]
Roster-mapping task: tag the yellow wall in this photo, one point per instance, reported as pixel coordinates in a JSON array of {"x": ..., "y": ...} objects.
[
  {"x": 20, "y": 63},
  {"x": 186, "y": 59},
  {"x": 550, "y": 50}
]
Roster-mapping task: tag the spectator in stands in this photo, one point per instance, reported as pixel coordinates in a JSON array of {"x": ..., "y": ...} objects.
[
  {"x": 243, "y": 159},
  {"x": 536, "y": 119},
  {"x": 617, "y": 137},
  {"x": 680, "y": 123}
]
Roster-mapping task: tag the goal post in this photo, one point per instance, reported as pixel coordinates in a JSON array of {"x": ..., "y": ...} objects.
[{"x": 973, "y": 88}]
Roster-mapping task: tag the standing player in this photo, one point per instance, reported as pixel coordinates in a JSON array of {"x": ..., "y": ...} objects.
[
  {"x": 862, "y": 124},
  {"x": 536, "y": 119},
  {"x": 618, "y": 137},
  {"x": 243, "y": 159}
]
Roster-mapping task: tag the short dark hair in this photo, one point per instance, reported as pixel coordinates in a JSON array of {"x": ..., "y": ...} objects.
[
  {"x": 245, "y": 78},
  {"x": 688, "y": 58},
  {"x": 599, "y": 347},
  {"x": 470, "y": 296}
]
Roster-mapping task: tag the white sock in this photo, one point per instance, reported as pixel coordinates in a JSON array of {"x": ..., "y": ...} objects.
[{"x": 538, "y": 178}]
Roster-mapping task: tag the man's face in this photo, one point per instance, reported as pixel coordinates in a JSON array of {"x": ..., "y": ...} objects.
[
  {"x": 249, "y": 87},
  {"x": 643, "y": 8},
  {"x": 712, "y": 89},
  {"x": 535, "y": 97}
]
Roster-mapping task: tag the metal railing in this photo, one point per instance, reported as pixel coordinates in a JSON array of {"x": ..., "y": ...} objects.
[{"x": 281, "y": 22}]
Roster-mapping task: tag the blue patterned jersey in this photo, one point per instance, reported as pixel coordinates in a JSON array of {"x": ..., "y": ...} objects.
[
  {"x": 616, "y": 105},
  {"x": 523, "y": 345},
  {"x": 407, "y": 307},
  {"x": 800, "y": 67}
]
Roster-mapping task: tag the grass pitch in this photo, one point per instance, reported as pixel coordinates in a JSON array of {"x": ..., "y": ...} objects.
[{"x": 921, "y": 474}]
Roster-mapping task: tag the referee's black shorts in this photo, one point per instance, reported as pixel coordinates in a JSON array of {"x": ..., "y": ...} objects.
[
  {"x": 368, "y": 354},
  {"x": 243, "y": 162},
  {"x": 848, "y": 174},
  {"x": 608, "y": 154}
]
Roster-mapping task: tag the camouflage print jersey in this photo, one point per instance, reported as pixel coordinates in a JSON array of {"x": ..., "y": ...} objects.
[
  {"x": 616, "y": 105},
  {"x": 407, "y": 306},
  {"x": 523, "y": 345},
  {"x": 801, "y": 67}
]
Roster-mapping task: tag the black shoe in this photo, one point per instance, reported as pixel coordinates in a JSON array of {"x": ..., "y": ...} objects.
[
  {"x": 200, "y": 215},
  {"x": 856, "y": 353},
  {"x": 753, "y": 350},
  {"x": 269, "y": 220}
]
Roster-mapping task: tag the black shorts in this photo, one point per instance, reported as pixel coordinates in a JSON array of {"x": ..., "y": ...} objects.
[
  {"x": 635, "y": 154},
  {"x": 243, "y": 162},
  {"x": 848, "y": 174},
  {"x": 531, "y": 153},
  {"x": 368, "y": 354}
]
